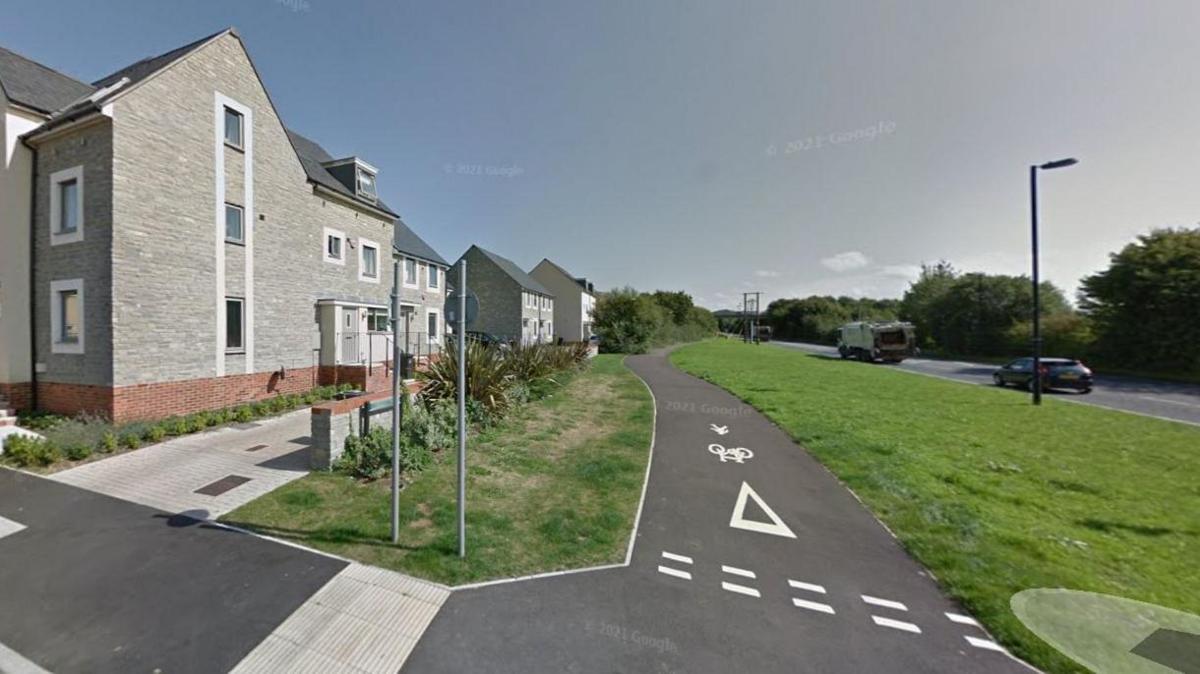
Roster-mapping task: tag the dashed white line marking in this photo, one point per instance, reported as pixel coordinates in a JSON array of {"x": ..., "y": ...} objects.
[
  {"x": 740, "y": 589},
  {"x": 985, "y": 644},
  {"x": 886, "y": 603},
  {"x": 806, "y": 586},
  {"x": 812, "y": 605},
  {"x": 675, "y": 572},
  {"x": 676, "y": 558},
  {"x": 738, "y": 572},
  {"x": 896, "y": 624},
  {"x": 962, "y": 619}
]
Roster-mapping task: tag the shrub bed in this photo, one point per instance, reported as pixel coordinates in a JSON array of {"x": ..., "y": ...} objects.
[{"x": 79, "y": 438}]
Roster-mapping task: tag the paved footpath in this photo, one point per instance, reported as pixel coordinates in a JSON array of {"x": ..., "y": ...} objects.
[
  {"x": 747, "y": 564},
  {"x": 113, "y": 567}
]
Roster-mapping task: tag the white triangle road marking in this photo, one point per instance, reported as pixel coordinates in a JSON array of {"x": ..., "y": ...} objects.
[{"x": 739, "y": 521}]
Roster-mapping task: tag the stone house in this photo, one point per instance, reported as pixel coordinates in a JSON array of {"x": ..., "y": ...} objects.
[
  {"x": 187, "y": 251},
  {"x": 574, "y": 300},
  {"x": 512, "y": 305}
]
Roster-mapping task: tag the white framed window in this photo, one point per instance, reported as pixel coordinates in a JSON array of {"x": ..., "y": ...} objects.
[
  {"x": 433, "y": 324},
  {"x": 66, "y": 316},
  {"x": 378, "y": 320},
  {"x": 335, "y": 246},
  {"x": 366, "y": 183},
  {"x": 368, "y": 261},
  {"x": 235, "y": 224},
  {"x": 66, "y": 205},
  {"x": 233, "y": 127},
  {"x": 235, "y": 328},
  {"x": 433, "y": 277},
  {"x": 410, "y": 273}
]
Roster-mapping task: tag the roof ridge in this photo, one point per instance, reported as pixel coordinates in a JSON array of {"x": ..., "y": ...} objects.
[
  {"x": 113, "y": 76},
  {"x": 43, "y": 66}
]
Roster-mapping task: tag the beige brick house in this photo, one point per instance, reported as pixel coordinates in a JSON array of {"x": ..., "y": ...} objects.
[{"x": 188, "y": 251}]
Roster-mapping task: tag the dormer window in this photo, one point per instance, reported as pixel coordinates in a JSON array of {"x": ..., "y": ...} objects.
[{"x": 366, "y": 184}]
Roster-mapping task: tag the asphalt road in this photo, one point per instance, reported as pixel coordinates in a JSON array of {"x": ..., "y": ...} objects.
[
  {"x": 820, "y": 587},
  {"x": 1169, "y": 400},
  {"x": 96, "y": 584}
]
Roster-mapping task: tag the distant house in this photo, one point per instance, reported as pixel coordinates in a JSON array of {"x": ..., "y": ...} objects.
[
  {"x": 174, "y": 247},
  {"x": 574, "y": 300},
  {"x": 512, "y": 304}
]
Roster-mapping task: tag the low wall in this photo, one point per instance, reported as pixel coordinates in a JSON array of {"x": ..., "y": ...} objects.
[{"x": 333, "y": 422}]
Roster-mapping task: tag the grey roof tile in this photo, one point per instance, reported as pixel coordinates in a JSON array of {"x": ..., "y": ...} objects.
[
  {"x": 33, "y": 85},
  {"x": 509, "y": 267}
]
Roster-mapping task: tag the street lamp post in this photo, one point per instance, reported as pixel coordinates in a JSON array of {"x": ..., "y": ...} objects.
[{"x": 1037, "y": 303}]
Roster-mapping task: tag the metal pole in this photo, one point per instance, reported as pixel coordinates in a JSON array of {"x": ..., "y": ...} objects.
[
  {"x": 1037, "y": 307},
  {"x": 462, "y": 410},
  {"x": 396, "y": 408}
]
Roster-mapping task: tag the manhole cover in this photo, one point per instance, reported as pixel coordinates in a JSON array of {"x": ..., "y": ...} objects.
[{"x": 223, "y": 485}]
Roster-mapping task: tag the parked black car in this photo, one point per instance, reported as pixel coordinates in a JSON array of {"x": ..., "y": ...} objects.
[{"x": 1065, "y": 373}]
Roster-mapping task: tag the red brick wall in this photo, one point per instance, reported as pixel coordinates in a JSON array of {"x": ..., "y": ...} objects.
[
  {"x": 379, "y": 378},
  {"x": 19, "y": 395},
  {"x": 73, "y": 399}
]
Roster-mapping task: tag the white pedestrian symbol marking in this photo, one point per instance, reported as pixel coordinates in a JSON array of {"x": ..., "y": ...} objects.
[
  {"x": 739, "y": 521},
  {"x": 719, "y": 430},
  {"x": 735, "y": 454}
]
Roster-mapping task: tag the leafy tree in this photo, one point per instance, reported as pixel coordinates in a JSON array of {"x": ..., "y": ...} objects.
[
  {"x": 627, "y": 321},
  {"x": 1146, "y": 305},
  {"x": 677, "y": 304}
]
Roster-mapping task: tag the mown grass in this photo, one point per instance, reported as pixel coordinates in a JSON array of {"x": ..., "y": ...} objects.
[
  {"x": 553, "y": 486},
  {"x": 992, "y": 494}
]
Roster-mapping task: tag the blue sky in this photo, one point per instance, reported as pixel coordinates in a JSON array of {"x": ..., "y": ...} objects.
[{"x": 785, "y": 147}]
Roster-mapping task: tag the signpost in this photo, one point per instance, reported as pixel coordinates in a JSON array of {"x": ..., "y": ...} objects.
[
  {"x": 396, "y": 407},
  {"x": 466, "y": 311}
]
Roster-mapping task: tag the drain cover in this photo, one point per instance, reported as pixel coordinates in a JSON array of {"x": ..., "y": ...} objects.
[
  {"x": 257, "y": 447},
  {"x": 223, "y": 485}
]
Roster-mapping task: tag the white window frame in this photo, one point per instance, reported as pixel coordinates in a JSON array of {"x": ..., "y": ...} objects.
[
  {"x": 359, "y": 172},
  {"x": 433, "y": 312},
  {"x": 56, "y": 288},
  {"x": 56, "y": 237},
  {"x": 328, "y": 232},
  {"x": 225, "y": 335},
  {"x": 416, "y": 282},
  {"x": 241, "y": 241},
  {"x": 363, "y": 245},
  {"x": 431, "y": 269},
  {"x": 241, "y": 117}
]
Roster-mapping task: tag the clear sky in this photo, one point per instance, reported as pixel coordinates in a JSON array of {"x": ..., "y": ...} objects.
[{"x": 715, "y": 147}]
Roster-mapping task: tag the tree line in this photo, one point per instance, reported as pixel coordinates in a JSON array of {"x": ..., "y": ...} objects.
[
  {"x": 1142, "y": 312},
  {"x": 631, "y": 322}
]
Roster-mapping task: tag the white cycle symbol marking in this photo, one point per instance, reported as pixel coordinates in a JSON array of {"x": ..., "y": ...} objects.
[{"x": 735, "y": 454}]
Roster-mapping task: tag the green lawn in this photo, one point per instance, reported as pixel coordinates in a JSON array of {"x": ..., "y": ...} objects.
[
  {"x": 553, "y": 486},
  {"x": 991, "y": 493}
]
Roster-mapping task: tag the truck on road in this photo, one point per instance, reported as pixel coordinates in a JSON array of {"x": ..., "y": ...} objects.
[{"x": 890, "y": 342}]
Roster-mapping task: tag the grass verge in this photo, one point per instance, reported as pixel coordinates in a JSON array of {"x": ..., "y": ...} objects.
[
  {"x": 555, "y": 485},
  {"x": 992, "y": 494}
]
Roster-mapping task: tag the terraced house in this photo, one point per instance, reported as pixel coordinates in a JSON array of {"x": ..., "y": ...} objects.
[
  {"x": 181, "y": 249},
  {"x": 512, "y": 304}
]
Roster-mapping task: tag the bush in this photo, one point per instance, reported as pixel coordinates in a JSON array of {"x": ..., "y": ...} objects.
[
  {"x": 130, "y": 439},
  {"x": 80, "y": 436},
  {"x": 368, "y": 457},
  {"x": 109, "y": 442},
  {"x": 177, "y": 425},
  {"x": 155, "y": 433},
  {"x": 26, "y": 451},
  {"x": 488, "y": 377},
  {"x": 627, "y": 321},
  {"x": 38, "y": 420},
  {"x": 243, "y": 414}
]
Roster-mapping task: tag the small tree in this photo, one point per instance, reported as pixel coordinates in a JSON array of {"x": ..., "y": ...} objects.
[{"x": 626, "y": 321}]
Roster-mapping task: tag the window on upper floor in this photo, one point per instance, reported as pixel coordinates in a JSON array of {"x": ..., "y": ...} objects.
[
  {"x": 366, "y": 184},
  {"x": 233, "y": 128},
  {"x": 235, "y": 226},
  {"x": 368, "y": 261},
  {"x": 66, "y": 205},
  {"x": 433, "y": 279},
  {"x": 335, "y": 246},
  {"x": 410, "y": 272}
]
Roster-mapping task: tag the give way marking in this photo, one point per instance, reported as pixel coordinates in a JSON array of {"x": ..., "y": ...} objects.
[{"x": 739, "y": 521}]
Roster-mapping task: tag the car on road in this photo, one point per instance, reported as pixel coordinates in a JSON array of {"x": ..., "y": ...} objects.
[{"x": 1060, "y": 373}]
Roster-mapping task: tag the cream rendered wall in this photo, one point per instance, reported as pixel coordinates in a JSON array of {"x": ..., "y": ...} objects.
[{"x": 15, "y": 176}]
